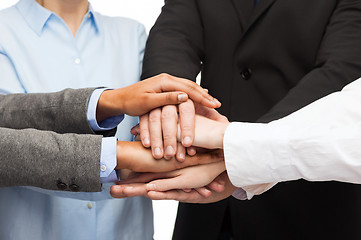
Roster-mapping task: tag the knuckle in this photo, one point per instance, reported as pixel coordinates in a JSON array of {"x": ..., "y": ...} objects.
[
  {"x": 168, "y": 113},
  {"x": 187, "y": 128},
  {"x": 154, "y": 117}
]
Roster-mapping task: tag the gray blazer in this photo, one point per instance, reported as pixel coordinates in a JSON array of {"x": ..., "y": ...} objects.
[{"x": 46, "y": 141}]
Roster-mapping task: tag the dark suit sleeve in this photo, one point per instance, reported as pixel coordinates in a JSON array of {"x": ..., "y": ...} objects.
[
  {"x": 338, "y": 62},
  {"x": 180, "y": 27}
]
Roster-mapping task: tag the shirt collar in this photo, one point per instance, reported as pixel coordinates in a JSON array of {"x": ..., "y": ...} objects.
[
  {"x": 95, "y": 19},
  {"x": 35, "y": 15}
]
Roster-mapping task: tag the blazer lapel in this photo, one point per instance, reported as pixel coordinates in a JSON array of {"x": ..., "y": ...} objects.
[
  {"x": 244, "y": 9},
  {"x": 248, "y": 13},
  {"x": 262, "y": 6}
]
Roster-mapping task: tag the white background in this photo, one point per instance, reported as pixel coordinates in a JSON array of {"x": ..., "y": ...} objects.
[{"x": 146, "y": 12}]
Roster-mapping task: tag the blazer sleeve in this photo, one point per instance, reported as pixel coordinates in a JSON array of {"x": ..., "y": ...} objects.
[
  {"x": 49, "y": 160},
  {"x": 338, "y": 62},
  {"x": 175, "y": 41},
  {"x": 61, "y": 112}
]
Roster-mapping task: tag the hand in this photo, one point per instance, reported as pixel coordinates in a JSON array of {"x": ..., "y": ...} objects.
[
  {"x": 141, "y": 97},
  {"x": 162, "y": 124},
  {"x": 186, "y": 178},
  {"x": 219, "y": 189},
  {"x": 133, "y": 156},
  {"x": 209, "y": 133}
]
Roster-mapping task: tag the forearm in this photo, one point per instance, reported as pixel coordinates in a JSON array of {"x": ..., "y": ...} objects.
[
  {"x": 46, "y": 159},
  {"x": 337, "y": 63},
  {"x": 45, "y": 111},
  {"x": 317, "y": 143}
]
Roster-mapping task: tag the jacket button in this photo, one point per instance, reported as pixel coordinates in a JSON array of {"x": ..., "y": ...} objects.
[
  {"x": 246, "y": 73},
  {"x": 61, "y": 185},
  {"x": 75, "y": 188}
]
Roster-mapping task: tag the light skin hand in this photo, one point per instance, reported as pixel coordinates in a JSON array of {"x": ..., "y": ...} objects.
[
  {"x": 133, "y": 156},
  {"x": 219, "y": 189},
  {"x": 209, "y": 133},
  {"x": 163, "y": 122},
  {"x": 187, "y": 178},
  {"x": 142, "y": 97},
  {"x": 204, "y": 195}
]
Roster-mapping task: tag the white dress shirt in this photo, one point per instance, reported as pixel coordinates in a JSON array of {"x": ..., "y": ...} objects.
[{"x": 320, "y": 142}]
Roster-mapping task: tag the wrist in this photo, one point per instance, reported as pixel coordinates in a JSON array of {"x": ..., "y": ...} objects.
[
  {"x": 119, "y": 147},
  {"x": 109, "y": 105},
  {"x": 220, "y": 130}
]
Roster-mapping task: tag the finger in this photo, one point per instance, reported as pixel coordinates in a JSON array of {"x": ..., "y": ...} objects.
[
  {"x": 132, "y": 190},
  {"x": 187, "y": 118},
  {"x": 210, "y": 113},
  {"x": 191, "y": 151},
  {"x": 143, "y": 178},
  {"x": 181, "y": 153},
  {"x": 155, "y": 130},
  {"x": 156, "y": 100},
  {"x": 135, "y": 130},
  {"x": 163, "y": 185},
  {"x": 194, "y": 91},
  {"x": 170, "y": 128},
  {"x": 137, "y": 138},
  {"x": 205, "y": 158},
  {"x": 217, "y": 186},
  {"x": 187, "y": 190},
  {"x": 144, "y": 130},
  {"x": 177, "y": 195},
  {"x": 204, "y": 191}
]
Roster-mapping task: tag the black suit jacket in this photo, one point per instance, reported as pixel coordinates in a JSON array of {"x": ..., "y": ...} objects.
[{"x": 263, "y": 63}]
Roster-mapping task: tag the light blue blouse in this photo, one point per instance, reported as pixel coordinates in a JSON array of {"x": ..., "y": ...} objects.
[{"x": 38, "y": 53}]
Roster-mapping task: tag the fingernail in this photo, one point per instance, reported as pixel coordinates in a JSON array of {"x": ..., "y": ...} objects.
[
  {"x": 187, "y": 141},
  {"x": 213, "y": 102},
  {"x": 182, "y": 97},
  {"x": 157, "y": 152},
  {"x": 218, "y": 102},
  {"x": 206, "y": 190},
  {"x": 192, "y": 152},
  {"x": 181, "y": 156},
  {"x": 146, "y": 141},
  {"x": 169, "y": 151},
  {"x": 150, "y": 187}
]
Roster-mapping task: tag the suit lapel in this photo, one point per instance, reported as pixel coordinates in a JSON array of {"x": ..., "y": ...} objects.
[
  {"x": 244, "y": 9},
  {"x": 248, "y": 14},
  {"x": 261, "y": 7}
]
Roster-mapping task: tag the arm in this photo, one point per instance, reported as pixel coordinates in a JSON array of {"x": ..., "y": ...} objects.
[
  {"x": 337, "y": 63},
  {"x": 175, "y": 41},
  {"x": 49, "y": 160},
  {"x": 316, "y": 143},
  {"x": 47, "y": 111}
]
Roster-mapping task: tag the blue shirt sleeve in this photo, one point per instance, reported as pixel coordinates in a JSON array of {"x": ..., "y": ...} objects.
[
  {"x": 108, "y": 157},
  {"x": 105, "y": 125}
]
